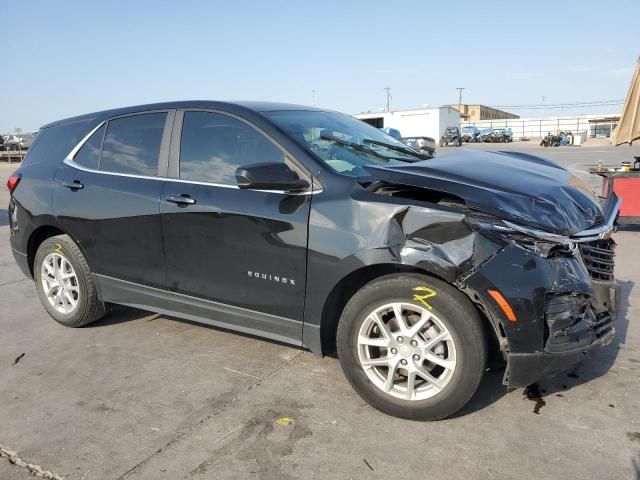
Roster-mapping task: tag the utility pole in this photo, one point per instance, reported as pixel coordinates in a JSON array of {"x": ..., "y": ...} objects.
[
  {"x": 313, "y": 96},
  {"x": 460, "y": 89},
  {"x": 387, "y": 103}
]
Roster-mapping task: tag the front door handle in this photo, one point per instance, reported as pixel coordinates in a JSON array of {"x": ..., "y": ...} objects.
[
  {"x": 183, "y": 199},
  {"x": 75, "y": 185}
]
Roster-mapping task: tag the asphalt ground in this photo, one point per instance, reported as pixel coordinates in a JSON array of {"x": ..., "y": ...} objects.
[{"x": 140, "y": 395}]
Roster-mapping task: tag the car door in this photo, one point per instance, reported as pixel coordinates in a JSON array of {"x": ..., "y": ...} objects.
[
  {"x": 245, "y": 249},
  {"x": 107, "y": 196}
]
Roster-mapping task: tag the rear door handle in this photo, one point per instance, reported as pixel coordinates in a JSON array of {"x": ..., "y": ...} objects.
[
  {"x": 75, "y": 185},
  {"x": 183, "y": 199}
]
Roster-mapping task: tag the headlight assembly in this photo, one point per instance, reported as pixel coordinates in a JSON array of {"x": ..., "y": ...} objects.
[{"x": 539, "y": 242}]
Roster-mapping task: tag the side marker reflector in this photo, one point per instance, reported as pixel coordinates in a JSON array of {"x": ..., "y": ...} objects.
[{"x": 503, "y": 304}]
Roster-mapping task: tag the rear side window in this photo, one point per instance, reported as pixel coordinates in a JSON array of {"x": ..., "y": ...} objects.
[
  {"x": 53, "y": 144},
  {"x": 132, "y": 144},
  {"x": 89, "y": 155},
  {"x": 213, "y": 146}
]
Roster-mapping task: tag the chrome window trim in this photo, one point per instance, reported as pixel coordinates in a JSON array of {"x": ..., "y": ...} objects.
[
  {"x": 71, "y": 163},
  {"x": 75, "y": 165},
  {"x": 68, "y": 160},
  {"x": 235, "y": 187},
  {"x": 80, "y": 144}
]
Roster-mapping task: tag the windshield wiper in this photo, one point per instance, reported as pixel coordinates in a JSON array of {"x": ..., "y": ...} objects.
[
  {"x": 397, "y": 148},
  {"x": 355, "y": 146}
]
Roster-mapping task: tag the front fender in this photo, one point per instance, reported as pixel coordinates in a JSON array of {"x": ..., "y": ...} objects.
[{"x": 369, "y": 230}]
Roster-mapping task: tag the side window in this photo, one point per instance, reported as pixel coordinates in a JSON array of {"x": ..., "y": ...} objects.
[
  {"x": 89, "y": 155},
  {"x": 213, "y": 146},
  {"x": 132, "y": 144}
]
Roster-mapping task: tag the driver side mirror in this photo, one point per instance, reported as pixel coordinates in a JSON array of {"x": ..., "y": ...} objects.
[{"x": 270, "y": 176}]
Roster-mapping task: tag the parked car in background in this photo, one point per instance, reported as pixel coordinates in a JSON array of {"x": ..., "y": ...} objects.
[
  {"x": 486, "y": 135},
  {"x": 412, "y": 270},
  {"x": 451, "y": 136},
  {"x": 557, "y": 139},
  {"x": 392, "y": 132},
  {"x": 422, "y": 144},
  {"x": 470, "y": 134},
  {"x": 13, "y": 142},
  {"x": 502, "y": 135},
  {"x": 18, "y": 142}
]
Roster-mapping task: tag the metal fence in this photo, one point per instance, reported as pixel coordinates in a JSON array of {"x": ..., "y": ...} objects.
[{"x": 539, "y": 127}]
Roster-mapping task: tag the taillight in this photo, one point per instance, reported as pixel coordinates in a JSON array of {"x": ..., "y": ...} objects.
[{"x": 13, "y": 182}]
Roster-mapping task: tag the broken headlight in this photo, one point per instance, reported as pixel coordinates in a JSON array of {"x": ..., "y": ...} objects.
[{"x": 539, "y": 242}]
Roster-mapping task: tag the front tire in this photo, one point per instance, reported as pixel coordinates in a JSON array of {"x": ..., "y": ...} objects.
[
  {"x": 64, "y": 283},
  {"x": 412, "y": 346}
]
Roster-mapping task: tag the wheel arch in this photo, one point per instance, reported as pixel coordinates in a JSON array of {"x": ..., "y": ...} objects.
[
  {"x": 39, "y": 235},
  {"x": 343, "y": 290}
]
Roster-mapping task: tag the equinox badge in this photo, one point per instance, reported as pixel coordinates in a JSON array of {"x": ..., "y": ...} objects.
[{"x": 273, "y": 278}]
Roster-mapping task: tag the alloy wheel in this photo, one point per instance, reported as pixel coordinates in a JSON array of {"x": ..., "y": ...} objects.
[
  {"x": 60, "y": 283},
  {"x": 406, "y": 351}
]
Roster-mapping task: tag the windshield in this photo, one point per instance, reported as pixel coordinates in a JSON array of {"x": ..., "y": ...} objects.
[
  {"x": 344, "y": 143},
  {"x": 468, "y": 129},
  {"x": 451, "y": 130},
  {"x": 486, "y": 130}
]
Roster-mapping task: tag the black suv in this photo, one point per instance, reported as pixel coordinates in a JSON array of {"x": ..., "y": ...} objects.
[
  {"x": 451, "y": 136},
  {"x": 414, "y": 271}
]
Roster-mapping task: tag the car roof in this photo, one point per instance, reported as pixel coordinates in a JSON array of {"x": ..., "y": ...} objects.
[{"x": 255, "y": 106}]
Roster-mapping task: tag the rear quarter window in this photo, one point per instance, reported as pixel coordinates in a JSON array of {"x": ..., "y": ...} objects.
[
  {"x": 89, "y": 155},
  {"x": 53, "y": 144}
]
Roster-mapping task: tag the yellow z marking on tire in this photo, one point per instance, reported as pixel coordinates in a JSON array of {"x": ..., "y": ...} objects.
[
  {"x": 424, "y": 294},
  {"x": 58, "y": 247}
]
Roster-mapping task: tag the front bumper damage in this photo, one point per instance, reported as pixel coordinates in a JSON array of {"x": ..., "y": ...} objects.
[
  {"x": 565, "y": 307},
  {"x": 539, "y": 262}
]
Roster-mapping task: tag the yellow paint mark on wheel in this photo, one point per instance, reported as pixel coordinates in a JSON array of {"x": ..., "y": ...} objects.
[
  {"x": 284, "y": 421},
  {"x": 58, "y": 247},
  {"x": 423, "y": 294}
]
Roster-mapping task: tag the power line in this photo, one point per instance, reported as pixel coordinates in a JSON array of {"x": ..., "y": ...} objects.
[{"x": 535, "y": 106}]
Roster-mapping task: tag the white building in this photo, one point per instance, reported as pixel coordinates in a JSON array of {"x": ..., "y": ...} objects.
[{"x": 426, "y": 122}]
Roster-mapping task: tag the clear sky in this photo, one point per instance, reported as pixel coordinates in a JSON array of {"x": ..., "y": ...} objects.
[{"x": 74, "y": 57}]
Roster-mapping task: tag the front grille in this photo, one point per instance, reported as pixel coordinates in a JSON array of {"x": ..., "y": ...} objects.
[
  {"x": 572, "y": 322},
  {"x": 603, "y": 324},
  {"x": 598, "y": 258},
  {"x": 562, "y": 311}
]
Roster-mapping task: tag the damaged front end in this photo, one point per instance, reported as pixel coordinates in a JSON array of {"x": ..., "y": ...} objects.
[
  {"x": 537, "y": 258},
  {"x": 561, "y": 291}
]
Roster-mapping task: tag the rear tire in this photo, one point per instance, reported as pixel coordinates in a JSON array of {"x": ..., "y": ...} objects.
[
  {"x": 64, "y": 283},
  {"x": 459, "y": 357}
]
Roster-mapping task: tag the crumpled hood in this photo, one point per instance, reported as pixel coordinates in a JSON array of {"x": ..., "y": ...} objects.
[{"x": 514, "y": 186}]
